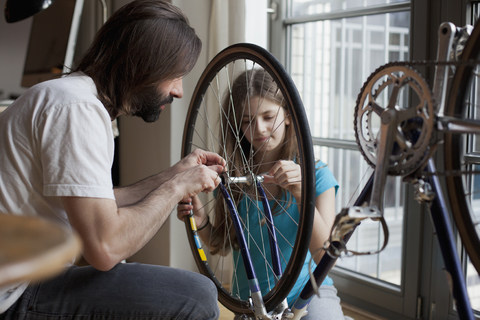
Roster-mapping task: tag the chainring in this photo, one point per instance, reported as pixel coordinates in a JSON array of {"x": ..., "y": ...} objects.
[{"x": 404, "y": 89}]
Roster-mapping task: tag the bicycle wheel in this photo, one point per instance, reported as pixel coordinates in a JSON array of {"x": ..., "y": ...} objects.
[
  {"x": 462, "y": 161},
  {"x": 214, "y": 123}
]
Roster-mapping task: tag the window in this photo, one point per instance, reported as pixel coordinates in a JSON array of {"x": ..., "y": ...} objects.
[
  {"x": 329, "y": 59},
  {"x": 330, "y": 47}
]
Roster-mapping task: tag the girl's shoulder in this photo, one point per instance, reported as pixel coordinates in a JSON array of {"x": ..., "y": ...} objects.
[
  {"x": 319, "y": 164},
  {"x": 324, "y": 177}
]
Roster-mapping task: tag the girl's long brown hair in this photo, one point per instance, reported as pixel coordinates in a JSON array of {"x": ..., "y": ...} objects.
[
  {"x": 250, "y": 84},
  {"x": 142, "y": 44}
]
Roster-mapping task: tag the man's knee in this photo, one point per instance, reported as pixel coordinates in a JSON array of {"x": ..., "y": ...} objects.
[{"x": 207, "y": 296}]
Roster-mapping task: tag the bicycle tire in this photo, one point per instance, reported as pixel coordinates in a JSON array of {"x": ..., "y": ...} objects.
[
  {"x": 200, "y": 117},
  {"x": 459, "y": 186}
]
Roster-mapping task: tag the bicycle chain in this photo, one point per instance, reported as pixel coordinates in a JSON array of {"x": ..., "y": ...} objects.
[{"x": 412, "y": 65}]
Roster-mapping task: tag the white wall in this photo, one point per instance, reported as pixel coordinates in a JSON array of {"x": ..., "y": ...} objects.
[{"x": 256, "y": 22}]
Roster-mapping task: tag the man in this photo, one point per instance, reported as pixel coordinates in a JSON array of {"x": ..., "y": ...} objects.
[{"x": 56, "y": 151}]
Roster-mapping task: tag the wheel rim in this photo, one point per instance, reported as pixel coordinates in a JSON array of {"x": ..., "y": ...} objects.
[
  {"x": 463, "y": 189},
  {"x": 209, "y": 124}
]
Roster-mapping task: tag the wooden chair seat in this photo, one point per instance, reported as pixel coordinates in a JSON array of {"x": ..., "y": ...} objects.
[{"x": 32, "y": 248}]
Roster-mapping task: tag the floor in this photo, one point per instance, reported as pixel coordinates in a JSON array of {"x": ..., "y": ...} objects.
[
  {"x": 348, "y": 310},
  {"x": 225, "y": 314}
]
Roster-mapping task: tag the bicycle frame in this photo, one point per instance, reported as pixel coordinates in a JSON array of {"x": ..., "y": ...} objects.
[
  {"x": 373, "y": 192},
  {"x": 446, "y": 240}
]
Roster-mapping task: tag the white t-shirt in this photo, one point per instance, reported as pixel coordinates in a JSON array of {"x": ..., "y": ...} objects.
[{"x": 55, "y": 140}]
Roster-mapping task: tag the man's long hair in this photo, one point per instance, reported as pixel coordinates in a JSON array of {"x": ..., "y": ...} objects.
[{"x": 142, "y": 44}]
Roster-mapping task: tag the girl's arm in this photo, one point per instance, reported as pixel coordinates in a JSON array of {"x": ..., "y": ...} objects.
[{"x": 322, "y": 223}]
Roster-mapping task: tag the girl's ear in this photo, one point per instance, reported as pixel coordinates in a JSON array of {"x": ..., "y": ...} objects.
[{"x": 287, "y": 119}]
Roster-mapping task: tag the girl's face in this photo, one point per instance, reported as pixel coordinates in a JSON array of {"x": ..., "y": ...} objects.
[{"x": 264, "y": 124}]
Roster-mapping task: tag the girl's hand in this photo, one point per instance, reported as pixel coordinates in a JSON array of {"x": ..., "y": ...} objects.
[
  {"x": 184, "y": 208},
  {"x": 287, "y": 174}
]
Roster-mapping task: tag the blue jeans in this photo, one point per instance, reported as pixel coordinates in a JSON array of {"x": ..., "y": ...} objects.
[{"x": 128, "y": 291}]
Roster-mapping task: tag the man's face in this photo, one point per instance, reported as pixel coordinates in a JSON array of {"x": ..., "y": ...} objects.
[{"x": 153, "y": 100}]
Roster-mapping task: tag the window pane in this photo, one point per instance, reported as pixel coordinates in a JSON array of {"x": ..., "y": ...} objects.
[
  {"x": 473, "y": 286},
  {"x": 330, "y": 60},
  {"x": 309, "y": 7},
  {"x": 352, "y": 172}
]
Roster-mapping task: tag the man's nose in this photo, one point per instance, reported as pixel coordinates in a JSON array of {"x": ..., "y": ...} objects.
[{"x": 177, "y": 89}]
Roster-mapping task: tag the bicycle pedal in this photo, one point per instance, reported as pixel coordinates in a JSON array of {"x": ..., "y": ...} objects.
[
  {"x": 423, "y": 191},
  {"x": 369, "y": 212},
  {"x": 346, "y": 221}
]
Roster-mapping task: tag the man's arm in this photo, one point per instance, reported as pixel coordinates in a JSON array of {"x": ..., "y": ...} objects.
[
  {"x": 111, "y": 232},
  {"x": 132, "y": 194}
]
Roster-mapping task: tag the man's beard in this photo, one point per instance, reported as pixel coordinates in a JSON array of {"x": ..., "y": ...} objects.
[{"x": 149, "y": 103}]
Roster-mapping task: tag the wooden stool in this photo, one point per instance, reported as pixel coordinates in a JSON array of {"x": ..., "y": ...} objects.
[{"x": 32, "y": 248}]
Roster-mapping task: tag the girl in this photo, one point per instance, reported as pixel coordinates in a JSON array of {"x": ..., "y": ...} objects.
[{"x": 261, "y": 140}]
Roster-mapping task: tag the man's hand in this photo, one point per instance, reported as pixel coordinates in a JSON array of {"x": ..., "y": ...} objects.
[
  {"x": 199, "y": 178},
  {"x": 198, "y": 157}
]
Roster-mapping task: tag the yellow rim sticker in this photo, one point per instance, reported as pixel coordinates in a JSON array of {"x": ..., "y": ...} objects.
[{"x": 192, "y": 224}]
